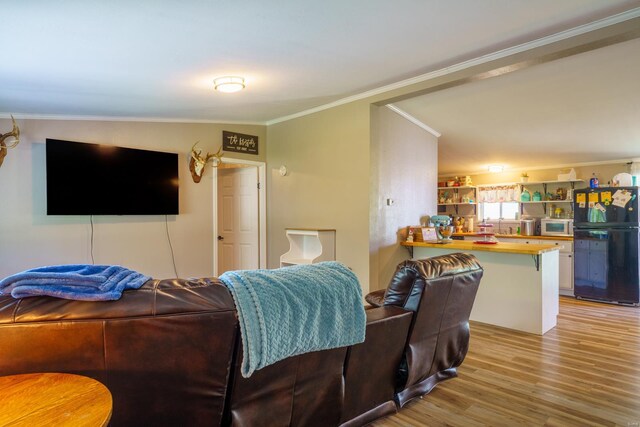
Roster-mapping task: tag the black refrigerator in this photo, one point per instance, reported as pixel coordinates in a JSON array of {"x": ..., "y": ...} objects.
[{"x": 606, "y": 243}]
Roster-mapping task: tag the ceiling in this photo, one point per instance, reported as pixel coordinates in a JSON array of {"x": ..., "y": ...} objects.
[
  {"x": 156, "y": 60},
  {"x": 580, "y": 109}
]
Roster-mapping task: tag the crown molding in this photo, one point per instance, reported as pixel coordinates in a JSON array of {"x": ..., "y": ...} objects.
[
  {"x": 563, "y": 35},
  {"x": 123, "y": 119},
  {"x": 413, "y": 120}
]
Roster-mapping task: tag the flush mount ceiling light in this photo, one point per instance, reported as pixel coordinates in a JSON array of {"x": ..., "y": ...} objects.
[
  {"x": 496, "y": 168},
  {"x": 229, "y": 84}
]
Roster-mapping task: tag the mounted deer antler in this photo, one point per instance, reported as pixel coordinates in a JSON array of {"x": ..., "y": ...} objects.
[
  {"x": 197, "y": 162},
  {"x": 4, "y": 148}
]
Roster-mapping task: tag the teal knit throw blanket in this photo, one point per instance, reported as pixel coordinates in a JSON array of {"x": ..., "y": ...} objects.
[{"x": 295, "y": 310}]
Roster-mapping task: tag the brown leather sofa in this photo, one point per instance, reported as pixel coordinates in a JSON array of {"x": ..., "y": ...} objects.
[
  {"x": 164, "y": 351},
  {"x": 170, "y": 352}
]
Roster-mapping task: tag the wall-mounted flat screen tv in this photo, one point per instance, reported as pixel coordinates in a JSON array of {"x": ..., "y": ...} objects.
[{"x": 93, "y": 179}]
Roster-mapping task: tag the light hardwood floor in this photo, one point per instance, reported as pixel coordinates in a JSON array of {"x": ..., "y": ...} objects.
[{"x": 584, "y": 372}]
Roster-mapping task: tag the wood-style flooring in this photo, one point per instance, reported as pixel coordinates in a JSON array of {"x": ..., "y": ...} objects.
[{"x": 584, "y": 372}]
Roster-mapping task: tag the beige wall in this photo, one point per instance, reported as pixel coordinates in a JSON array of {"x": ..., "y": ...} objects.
[
  {"x": 30, "y": 238},
  {"x": 343, "y": 164},
  {"x": 327, "y": 155},
  {"x": 404, "y": 164}
]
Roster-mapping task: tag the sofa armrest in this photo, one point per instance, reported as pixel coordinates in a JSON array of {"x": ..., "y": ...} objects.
[
  {"x": 376, "y": 298},
  {"x": 371, "y": 366}
]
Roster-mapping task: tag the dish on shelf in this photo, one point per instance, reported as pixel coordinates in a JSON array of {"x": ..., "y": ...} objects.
[{"x": 530, "y": 183}]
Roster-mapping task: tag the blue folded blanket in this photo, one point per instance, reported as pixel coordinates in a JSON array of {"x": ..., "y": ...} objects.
[
  {"x": 295, "y": 310},
  {"x": 75, "y": 282}
]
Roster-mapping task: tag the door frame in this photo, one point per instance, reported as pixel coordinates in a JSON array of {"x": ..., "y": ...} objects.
[{"x": 262, "y": 211}]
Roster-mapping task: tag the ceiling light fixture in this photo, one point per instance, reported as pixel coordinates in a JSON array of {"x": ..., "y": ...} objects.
[
  {"x": 229, "y": 84},
  {"x": 496, "y": 168}
]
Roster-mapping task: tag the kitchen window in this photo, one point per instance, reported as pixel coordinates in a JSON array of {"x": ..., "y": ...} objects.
[
  {"x": 499, "y": 210},
  {"x": 499, "y": 202}
]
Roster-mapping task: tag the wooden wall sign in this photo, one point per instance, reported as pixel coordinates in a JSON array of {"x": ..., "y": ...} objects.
[{"x": 239, "y": 143}]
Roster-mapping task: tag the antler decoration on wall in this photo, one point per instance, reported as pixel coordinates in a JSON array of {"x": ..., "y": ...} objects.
[
  {"x": 197, "y": 162},
  {"x": 4, "y": 148}
]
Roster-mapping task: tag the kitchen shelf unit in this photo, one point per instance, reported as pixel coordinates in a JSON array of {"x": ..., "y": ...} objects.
[
  {"x": 456, "y": 204},
  {"x": 456, "y": 190},
  {"x": 572, "y": 182},
  {"x": 544, "y": 184}
]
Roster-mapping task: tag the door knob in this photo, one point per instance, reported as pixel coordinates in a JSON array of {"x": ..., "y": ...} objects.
[{"x": 220, "y": 238}]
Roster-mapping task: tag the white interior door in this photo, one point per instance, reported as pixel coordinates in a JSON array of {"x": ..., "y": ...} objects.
[{"x": 238, "y": 229}]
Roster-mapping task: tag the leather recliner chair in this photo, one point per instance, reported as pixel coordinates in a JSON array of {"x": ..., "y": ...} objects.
[
  {"x": 440, "y": 291},
  {"x": 417, "y": 334}
]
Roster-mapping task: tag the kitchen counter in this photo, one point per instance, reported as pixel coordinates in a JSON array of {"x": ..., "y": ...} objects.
[
  {"x": 468, "y": 245},
  {"x": 519, "y": 288},
  {"x": 519, "y": 236}
]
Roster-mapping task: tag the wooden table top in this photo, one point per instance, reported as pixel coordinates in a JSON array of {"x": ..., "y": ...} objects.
[
  {"x": 503, "y": 247},
  {"x": 52, "y": 399}
]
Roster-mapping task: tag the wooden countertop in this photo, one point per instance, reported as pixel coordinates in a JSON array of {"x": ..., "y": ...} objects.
[
  {"x": 518, "y": 236},
  {"x": 468, "y": 245}
]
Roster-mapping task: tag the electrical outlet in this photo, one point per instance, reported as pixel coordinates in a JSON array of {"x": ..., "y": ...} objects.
[{"x": 391, "y": 202}]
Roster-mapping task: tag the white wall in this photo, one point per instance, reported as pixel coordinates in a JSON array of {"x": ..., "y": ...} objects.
[
  {"x": 404, "y": 167},
  {"x": 29, "y": 238}
]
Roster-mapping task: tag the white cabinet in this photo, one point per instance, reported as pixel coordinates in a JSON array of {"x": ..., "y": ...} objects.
[
  {"x": 533, "y": 242},
  {"x": 308, "y": 246},
  {"x": 566, "y": 274},
  {"x": 566, "y": 265},
  {"x": 521, "y": 241},
  {"x": 565, "y": 246}
]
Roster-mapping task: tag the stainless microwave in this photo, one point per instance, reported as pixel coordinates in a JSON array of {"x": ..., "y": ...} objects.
[{"x": 556, "y": 227}]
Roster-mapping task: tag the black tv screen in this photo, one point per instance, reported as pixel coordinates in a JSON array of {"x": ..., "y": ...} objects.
[{"x": 93, "y": 179}]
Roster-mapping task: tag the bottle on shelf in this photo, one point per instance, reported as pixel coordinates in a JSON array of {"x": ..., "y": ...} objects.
[
  {"x": 410, "y": 235},
  {"x": 593, "y": 182}
]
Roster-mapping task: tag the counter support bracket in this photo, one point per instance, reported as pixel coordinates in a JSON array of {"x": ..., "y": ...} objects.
[
  {"x": 410, "y": 249},
  {"x": 536, "y": 261}
]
